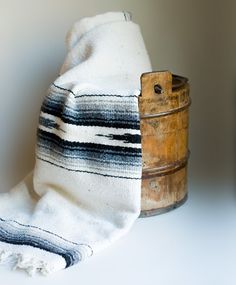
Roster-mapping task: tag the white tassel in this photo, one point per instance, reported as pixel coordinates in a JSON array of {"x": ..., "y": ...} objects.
[
  {"x": 32, "y": 265},
  {"x": 26, "y": 263},
  {"x": 4, "y": 255}
]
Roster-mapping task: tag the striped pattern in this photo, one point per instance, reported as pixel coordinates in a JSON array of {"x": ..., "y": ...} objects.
[
  {"x": 16, "y": 233},
  {"x": 97, "y": 134},
  {"x": 84, "y": 191}
]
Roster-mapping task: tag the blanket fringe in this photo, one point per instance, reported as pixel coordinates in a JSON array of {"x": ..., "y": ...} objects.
[{"x": 29, "y": 264}]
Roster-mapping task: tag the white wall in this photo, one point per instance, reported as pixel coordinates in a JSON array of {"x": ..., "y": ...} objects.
[{"x": 188, "y": 37}]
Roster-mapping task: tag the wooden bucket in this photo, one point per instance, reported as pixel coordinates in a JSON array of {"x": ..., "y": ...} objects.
[{"x": 163, "y": 106}]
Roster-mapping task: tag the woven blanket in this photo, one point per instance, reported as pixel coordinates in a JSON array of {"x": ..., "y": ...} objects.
[{"x": 84, "y": 191}]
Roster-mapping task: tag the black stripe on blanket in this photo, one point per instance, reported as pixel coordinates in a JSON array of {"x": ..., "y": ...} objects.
[
  {"x": 126, "y": 138},
  {"x": 83, "y": 120},
  {"x": 90, "y": 172},
  {"x": 16, "y": 233},
  {"x": 84, "y": 111},
  {"x": 94, "y": 147},
  {"x": 89, "y": 95},
  {"x": 92, "y": 158}
]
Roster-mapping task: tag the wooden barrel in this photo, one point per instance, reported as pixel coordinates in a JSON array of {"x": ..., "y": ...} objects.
[{"x": 163, "y": 106}]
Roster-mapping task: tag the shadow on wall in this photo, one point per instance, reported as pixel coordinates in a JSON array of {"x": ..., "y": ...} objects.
[
  {"x": 19, "y": 146},
  {"x": 21, "y": 113},
  {"x": 233, "y": 119}
]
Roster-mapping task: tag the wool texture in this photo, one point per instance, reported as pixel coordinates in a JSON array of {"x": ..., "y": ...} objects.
[{"x": 84, "y": 191}]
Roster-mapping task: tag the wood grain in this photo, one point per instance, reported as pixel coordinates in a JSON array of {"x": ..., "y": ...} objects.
[{"x": 164, "y": 132}]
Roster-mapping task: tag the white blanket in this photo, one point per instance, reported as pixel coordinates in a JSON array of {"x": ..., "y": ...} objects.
[{"x": 84, "y": 192}]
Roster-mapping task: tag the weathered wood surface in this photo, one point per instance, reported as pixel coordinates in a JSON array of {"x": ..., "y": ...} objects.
[{"x": 163, "y": 110}]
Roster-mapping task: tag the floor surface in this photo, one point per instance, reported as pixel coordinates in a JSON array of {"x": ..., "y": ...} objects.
[{"x": 194, "y": 244}]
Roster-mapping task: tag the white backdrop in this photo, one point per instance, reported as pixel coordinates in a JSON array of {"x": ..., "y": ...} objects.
[{"x": 191, "y": 38}]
